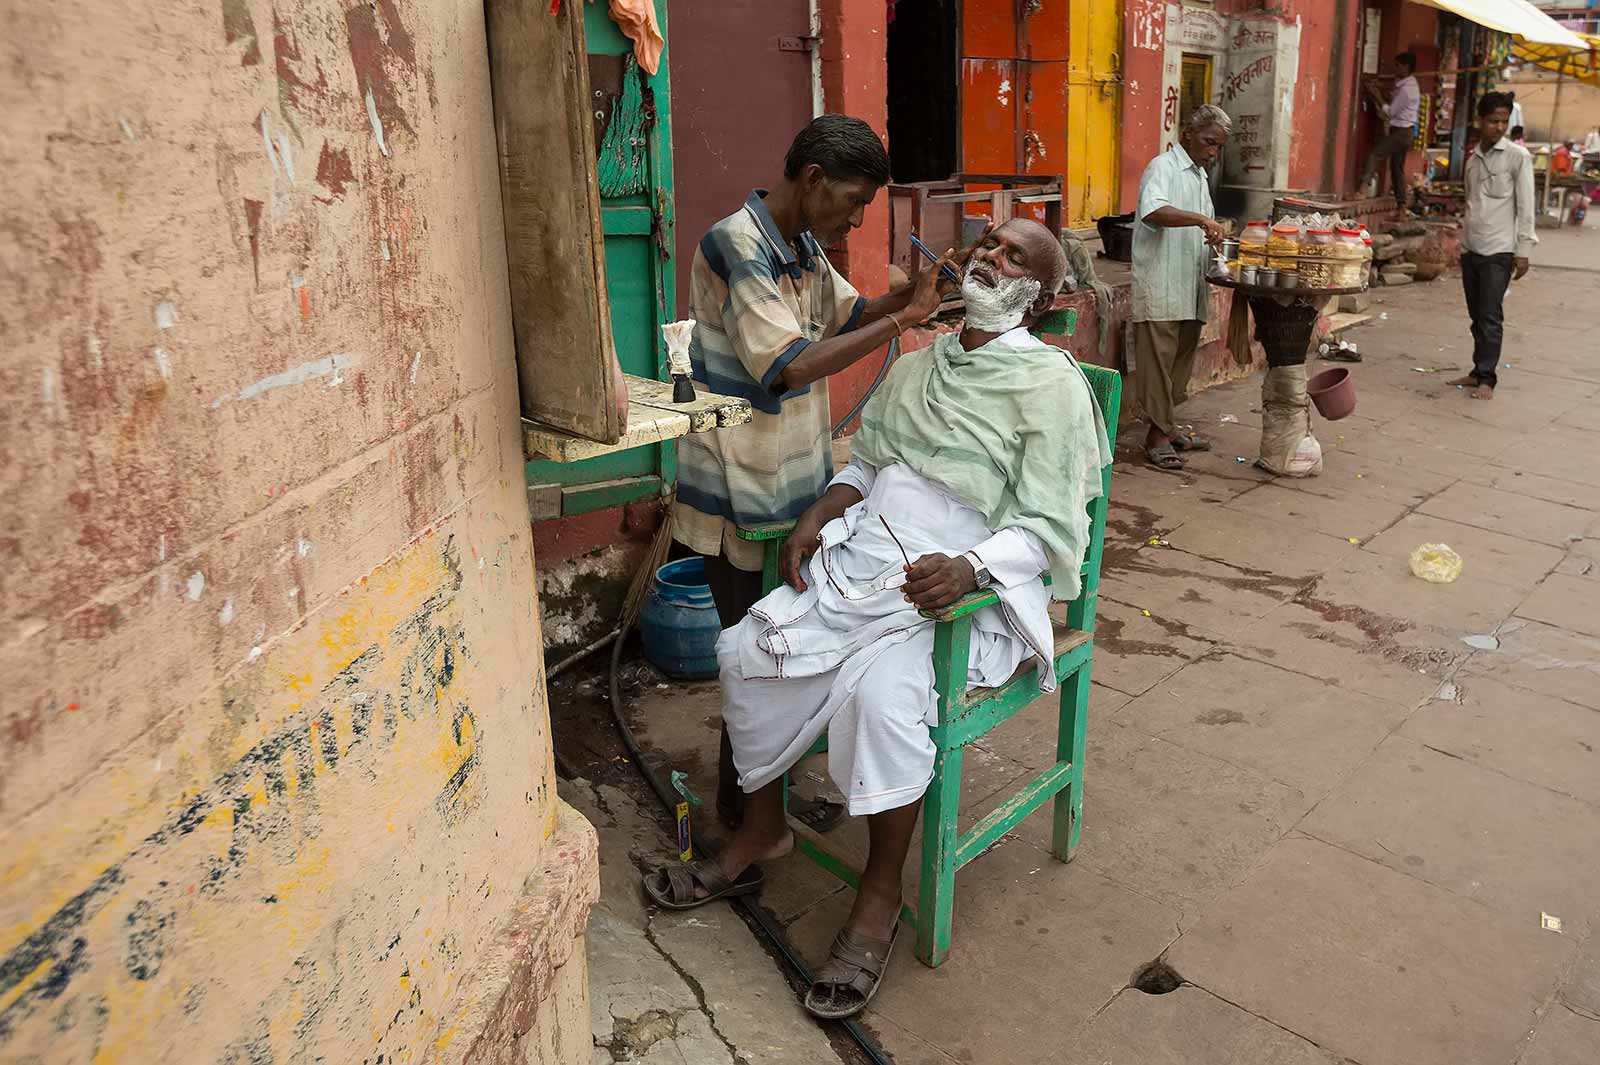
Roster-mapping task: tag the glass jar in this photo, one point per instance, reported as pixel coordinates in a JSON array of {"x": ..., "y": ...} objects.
[
  {"x": 1253, "y": 244},
  {"x": 1316, "y": 266},
  {"x": 1283, "y": 247},
  {"x": 1349, "y": 253}
]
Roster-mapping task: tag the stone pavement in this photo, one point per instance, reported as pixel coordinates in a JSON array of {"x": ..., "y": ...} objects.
[{"x": 1336, "y": 820}]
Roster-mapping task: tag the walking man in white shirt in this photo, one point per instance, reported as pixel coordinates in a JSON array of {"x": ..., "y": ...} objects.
[
  {"x": 1401, "y": 115},
  {"x": 1170, "y": 301},
  {"x": 1498, "y": 238}
]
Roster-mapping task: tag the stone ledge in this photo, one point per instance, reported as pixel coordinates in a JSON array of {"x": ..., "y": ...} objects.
[{"x": 517, "y": 984}]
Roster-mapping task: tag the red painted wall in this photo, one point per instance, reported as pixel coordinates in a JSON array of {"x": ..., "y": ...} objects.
[
  {"x": 1144, "y": 47},
  {"x": 1325, "y": 93},
  {"x": 855, "y": 81}
]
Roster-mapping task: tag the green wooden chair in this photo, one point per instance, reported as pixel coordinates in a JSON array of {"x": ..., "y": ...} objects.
[{"x": 966, "y": 716}]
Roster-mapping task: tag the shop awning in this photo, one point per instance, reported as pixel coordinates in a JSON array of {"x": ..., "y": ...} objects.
[
  {"x": 1583, "y": 66},
  {"x": 1512, "y": 16}
]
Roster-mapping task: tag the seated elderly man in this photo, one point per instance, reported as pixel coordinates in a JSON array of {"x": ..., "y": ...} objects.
[{"x": 973, "y": 468}]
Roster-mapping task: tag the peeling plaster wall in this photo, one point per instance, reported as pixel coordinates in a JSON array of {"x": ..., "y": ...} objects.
[{"x": 274, "y": 753}]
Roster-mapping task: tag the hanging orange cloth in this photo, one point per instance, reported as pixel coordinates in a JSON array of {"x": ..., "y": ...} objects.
[{"x": 637, "y": 20}]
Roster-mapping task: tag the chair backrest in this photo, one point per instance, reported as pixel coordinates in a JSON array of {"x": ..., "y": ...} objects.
[{"x": 1107, "y": 387}]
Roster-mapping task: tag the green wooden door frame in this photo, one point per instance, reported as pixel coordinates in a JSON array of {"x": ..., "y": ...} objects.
[{"x": 640, "y": 283}]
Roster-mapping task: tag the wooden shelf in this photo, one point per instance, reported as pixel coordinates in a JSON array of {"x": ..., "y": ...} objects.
[{"x": 652, "y": 418}]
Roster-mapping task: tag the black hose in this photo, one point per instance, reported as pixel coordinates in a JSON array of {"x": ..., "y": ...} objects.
[
  {"x": 752, "y": 912},
  {"x": 883, "y": 371}
]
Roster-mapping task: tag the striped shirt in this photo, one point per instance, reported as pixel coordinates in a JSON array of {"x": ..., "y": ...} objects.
[
  {"x": 1169, "y": 264},
  {"x": 757, "y": 301}
]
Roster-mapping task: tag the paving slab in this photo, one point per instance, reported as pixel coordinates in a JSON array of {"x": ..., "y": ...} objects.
[
  {"x": 1259, "y": 546},
  {"x": 745, "y": 994},
  {"x": 1454, "y": 429},
  {"x": 904, "y": 1046},
  {"x": 1387, "y": 586},
  {"x": 1566, "y": 602},
  {"x": 1134, "y": 652},
  {"x": 629, "y": 978},
  {"x": 1563, "y": 1038},
  {"x": 1504, "y": 559},
  {"x": 985, "y": 776},
  {"x": 1372, "y": 964},
  {"x": 1352, "y": 647},
  {"x": 1518, "y": 848},
  {"x": 1581, "y": 990},
  {"x": 1146, "y": 502},
  {"x": 1411, "y": 453},
  {"x": 1559, "y": 451},
  {"x": 1196, "y": 595},
  {"x": 1029, "y": 737},
  {"x": 1298, "y": 730},
  {"x": 1510, "y": 513},
  {"x": 692, "y": 1042},
  {"x": 1185, "y": 1027},
  {"x": 1543, "y": 740},
  {"x": 1579, "y": 565},
  {"x": 1347, "y": 474},
  {"x": 1536, "y": 486},
  {"x": 1036, "y": 943},
  {"x": 1172, "y": 823},
  {"x": 1304, "y": 504},
  {"x": 1545, "y": 659}
]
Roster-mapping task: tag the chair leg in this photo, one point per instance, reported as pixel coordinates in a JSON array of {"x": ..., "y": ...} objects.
[
  {"x": 1068, "y": 822},
  {"x": 937, "y": 893}
]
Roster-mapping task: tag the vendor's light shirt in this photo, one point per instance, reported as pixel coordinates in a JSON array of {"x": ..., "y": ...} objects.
[
  {"x": 1404, "y": 104},
  {"x": 1169, "y": 264},
  {"x": 1500, "y": 200}
]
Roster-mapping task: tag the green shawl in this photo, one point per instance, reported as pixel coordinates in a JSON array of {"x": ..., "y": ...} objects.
[{"x": 1011, "y": 429}]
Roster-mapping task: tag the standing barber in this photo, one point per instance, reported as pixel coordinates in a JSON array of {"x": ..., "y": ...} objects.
[
  {"x": 1400, "y": 117},
  {"x": 1499, "y": 236},
  {"x": 1170, "y": 301},
  {"x": 774, "y": 320}
]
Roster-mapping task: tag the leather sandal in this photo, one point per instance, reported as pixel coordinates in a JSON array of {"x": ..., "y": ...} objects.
[
  {"x": 676, "y": 886},
  {"x": 1164, "y": 457},
  {"x": 844, "y": 986}
]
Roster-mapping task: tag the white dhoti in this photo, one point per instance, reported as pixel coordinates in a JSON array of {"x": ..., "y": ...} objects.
[{"x": 851, "y": 656}]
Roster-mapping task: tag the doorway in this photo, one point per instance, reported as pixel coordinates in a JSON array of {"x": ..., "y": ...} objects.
[
  {"x": 1194, "y": 84},
  {"x": 924, "y": 106}
]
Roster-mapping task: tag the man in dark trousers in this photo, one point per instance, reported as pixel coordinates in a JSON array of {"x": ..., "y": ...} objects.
[
  {"x": 1499, "y": 236},
  {"x": 774, "y": 320},
  {"x": 1400, "y": 128}
]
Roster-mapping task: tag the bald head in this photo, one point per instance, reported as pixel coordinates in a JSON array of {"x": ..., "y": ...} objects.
[{"x": 1045, "y": 260}]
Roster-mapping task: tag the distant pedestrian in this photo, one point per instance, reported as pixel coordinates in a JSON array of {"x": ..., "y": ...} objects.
[
  {"x": 1400, "y": 129},
  {"x": 1591, "y": 143},
  {"x": 1517, "y": 136},
  {"x": 1499, "y": 236},
  {"x": 1170, "y": 301}
]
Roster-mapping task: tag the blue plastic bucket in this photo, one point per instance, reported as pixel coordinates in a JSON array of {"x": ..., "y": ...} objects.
[{"x": 679, "y": 624}]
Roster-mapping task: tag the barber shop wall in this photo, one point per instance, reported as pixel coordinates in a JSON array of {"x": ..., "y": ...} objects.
[
  {"x": 275, "y": 777},
  {"x": 855, "y": 81}
]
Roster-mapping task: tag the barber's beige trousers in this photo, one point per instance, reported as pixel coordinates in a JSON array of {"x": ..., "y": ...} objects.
[{"x": 1163, "y": 359}]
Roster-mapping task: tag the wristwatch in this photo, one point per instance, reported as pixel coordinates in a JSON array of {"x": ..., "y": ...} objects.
[{"x": 980, "y": 572}]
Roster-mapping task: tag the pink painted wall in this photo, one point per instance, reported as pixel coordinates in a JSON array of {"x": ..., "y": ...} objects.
[
  {"x": 275, "y": 761},
  {"x": 855, "y": 81},
  {"x": 1144, "y": 47}
]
